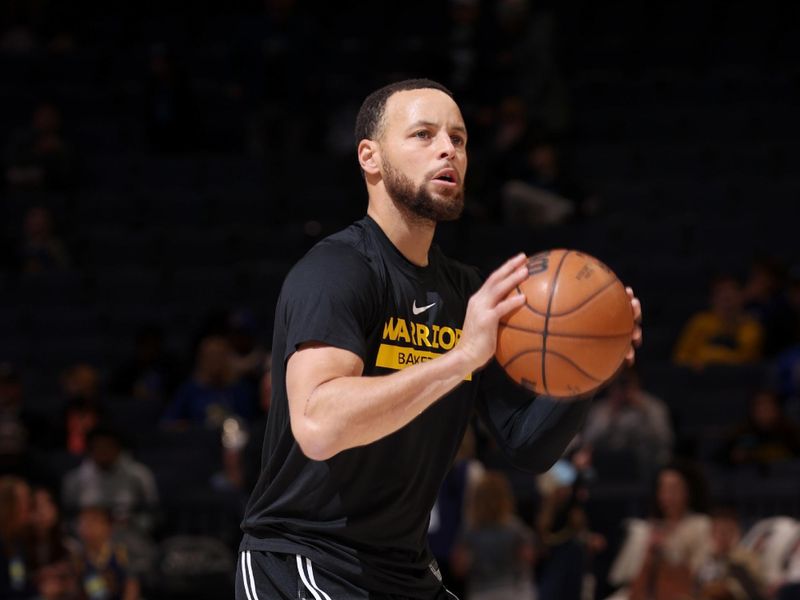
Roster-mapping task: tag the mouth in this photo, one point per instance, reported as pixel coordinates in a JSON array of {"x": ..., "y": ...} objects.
[{"x": 446, "y": 177}]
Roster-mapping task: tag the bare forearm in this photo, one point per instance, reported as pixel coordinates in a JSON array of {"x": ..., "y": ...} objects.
[{"x": 354, "y": 411}]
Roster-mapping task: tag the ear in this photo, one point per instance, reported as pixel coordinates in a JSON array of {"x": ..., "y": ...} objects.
[{"x": 369, "y": 156}]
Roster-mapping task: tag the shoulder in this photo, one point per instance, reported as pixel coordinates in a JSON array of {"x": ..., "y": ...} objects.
[
  {"x": 334, "y": 260},
  {"x": 135, "y": 468}
]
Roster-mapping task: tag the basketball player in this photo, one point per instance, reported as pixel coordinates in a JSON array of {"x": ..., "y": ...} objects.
[{"x": 380, "y": 356}]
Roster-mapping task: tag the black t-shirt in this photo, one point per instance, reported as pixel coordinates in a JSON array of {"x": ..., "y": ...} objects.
[{"x": 364, "y": 513}]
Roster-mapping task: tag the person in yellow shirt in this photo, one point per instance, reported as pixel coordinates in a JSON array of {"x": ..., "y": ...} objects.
[{"x": 724, "y": 334}]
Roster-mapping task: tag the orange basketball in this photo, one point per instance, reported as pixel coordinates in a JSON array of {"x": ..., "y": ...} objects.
[{"x": 574, "y": 330}]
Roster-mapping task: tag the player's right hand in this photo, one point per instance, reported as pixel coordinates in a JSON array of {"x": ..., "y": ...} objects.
[{"x": 485, "y": 309}]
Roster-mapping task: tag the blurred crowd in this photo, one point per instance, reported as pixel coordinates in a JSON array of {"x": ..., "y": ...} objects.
[{"x": 126, "y": 477}]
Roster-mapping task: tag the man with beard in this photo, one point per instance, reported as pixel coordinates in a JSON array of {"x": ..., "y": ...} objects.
[{"x": 378, "y": 355}]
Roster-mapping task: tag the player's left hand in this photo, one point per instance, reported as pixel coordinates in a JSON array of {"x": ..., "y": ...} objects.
[{"x": 636, "y": 338}]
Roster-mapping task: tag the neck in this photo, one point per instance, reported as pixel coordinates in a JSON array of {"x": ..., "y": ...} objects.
[{"x": 410, "y": 234}]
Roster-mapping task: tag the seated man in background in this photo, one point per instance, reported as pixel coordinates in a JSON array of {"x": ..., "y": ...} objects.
[
  {"x": 724, "y": 334},
  {"x": 110, "y": 477},
  {"x": 627, "y": 418},
  {"x": 214, "y": 392},
  {"x": 767, "y": 436}
]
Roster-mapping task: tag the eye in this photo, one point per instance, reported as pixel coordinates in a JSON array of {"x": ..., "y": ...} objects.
[
  {"x": 457, "y": 140},
  {"x": 422, "y": 134}
]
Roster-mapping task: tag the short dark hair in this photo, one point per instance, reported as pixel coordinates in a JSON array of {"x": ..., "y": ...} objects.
[{"x": 370, "y": 115}]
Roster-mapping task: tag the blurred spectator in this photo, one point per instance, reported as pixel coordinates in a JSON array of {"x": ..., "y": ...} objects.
[
  {"x": 58, "y": 580},
  {"x": 49, "y": 542},
  {"x": 448, "y": 517},
  {"x": 232, "y": 476},
  {"x": 251, "y": 453},
  {"x": 214, "y": 392},
  {"x": 16, "y": 577},
  {"x": 242, "y": 442},
  {"x": 41, "y": 250},
  {"x": 248, "y": 355},
  {"x": 660, "y": 557},
  {"x": 170, "y": 111},
  {"x": 110, "y": 477},
  {"x": 629, "y": 419},
  {"x": 767, "y": 437},
  {"x": 81, "y": 381},
  {"x": 563, "y": 527},
  {"x": 80, "y": 387},
  {"x": 725, "y": 334},
  {"x": 776, "y": 542},
  {"x": 104, "y": 564},
  {"x": 765, "y": 300},
  {"x": 496, "y": 551},
  {"x": 538, "y": 193},
  {"x": 151, "y": 374},
  {"x": 38, "y": 156},
  {"x": 731, "y": 571},
  {"x": 678, "y": 542}
]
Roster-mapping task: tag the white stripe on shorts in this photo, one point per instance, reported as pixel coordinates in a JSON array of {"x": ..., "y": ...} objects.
[
  {"x": 314, "y": 583},
  {"x": 250, "y": 573},
  {"x": 309, "y": 582},
  {"x": 244, "y": 578},
  {"x": 451, "y": 593}
]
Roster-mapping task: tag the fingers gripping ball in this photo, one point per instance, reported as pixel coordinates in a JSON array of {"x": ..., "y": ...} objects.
[{"x": 574, "y": 330}]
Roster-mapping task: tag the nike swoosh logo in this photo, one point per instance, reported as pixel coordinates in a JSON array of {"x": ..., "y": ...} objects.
[{"x": 419, "y": 310}]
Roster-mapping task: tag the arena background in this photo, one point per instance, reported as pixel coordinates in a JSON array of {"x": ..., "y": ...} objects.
[{"x": 186, "y": 156}]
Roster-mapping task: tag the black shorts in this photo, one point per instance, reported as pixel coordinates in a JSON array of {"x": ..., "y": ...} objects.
[{"x": 274, "y": 576}]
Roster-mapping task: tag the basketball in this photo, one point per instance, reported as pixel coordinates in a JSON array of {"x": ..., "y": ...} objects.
[{"x": 574, "y": 330}]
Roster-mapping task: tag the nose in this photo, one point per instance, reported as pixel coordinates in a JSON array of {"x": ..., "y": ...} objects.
[{"x": 446, "y": 147}]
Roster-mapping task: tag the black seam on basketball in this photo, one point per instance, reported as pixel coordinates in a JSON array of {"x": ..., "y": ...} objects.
[
  {"x": 518, "y": 354},
  {"x": 610, "y": 336},
  {"x": 586, "y": 300},
  {"x": 559, "y": 355},
  {"x": 547, "y": 317},
  {"x": 577, "y": 367},
  {"x": 533, "y": 310}
]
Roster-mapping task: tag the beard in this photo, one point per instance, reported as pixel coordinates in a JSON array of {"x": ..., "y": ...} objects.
[{"x": 418, "y": 201}]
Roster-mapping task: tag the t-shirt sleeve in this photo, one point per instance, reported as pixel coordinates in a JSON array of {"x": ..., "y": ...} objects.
[
  {"x": 329, "y": 297},
  {"x": 533, "y": 431}
]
